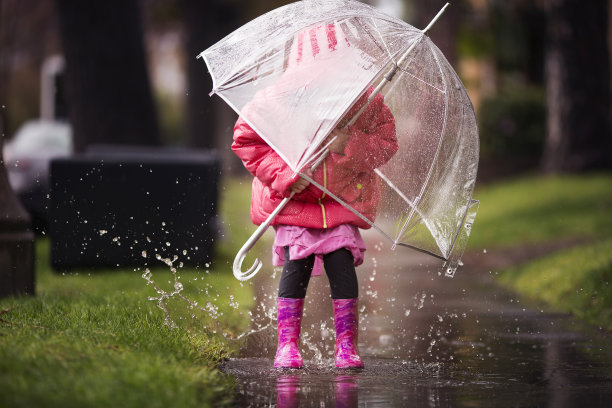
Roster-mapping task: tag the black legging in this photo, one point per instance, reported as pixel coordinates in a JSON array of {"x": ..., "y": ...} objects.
[{"x": 338, "y": 266}]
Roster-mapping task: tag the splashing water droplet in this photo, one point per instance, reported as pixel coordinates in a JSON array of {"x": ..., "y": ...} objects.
[
  {"x": 233, "y": 303},
  {"x": 422, "y": 301},
  {"x": 385, "y": 339}
]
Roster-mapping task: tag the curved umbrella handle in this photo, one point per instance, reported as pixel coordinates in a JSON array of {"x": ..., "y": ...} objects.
[{"x": 243, "y": 276}]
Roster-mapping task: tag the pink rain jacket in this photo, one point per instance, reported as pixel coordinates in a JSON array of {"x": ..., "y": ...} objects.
[{"x": 350, "y": 176}]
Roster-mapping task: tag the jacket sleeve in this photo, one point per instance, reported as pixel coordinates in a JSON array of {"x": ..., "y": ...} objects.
[
  {"x": 261, "y": 160},
  {"x": 373, "y": 140}
]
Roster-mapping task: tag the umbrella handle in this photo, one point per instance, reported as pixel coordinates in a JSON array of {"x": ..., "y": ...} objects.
[{"x": 243, "y": 276}]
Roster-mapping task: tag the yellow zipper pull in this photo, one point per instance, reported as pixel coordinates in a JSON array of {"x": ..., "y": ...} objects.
[{"x": 324, "y": 215}]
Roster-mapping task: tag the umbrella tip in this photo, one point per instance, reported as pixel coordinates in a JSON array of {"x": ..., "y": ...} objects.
[{"x": 435, "y": 19}]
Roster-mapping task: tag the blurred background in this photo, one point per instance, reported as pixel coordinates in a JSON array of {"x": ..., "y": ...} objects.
[{"x": 75, "y": 74}]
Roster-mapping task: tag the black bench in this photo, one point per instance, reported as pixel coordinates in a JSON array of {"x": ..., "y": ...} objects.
[{"x": 122, "y": 206}]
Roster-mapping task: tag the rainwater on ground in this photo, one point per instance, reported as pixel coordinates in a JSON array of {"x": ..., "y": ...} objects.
[{"x": 427, "y": 341}]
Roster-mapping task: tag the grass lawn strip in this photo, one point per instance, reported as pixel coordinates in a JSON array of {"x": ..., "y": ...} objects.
[
  {"x": 94, "y": 339},
  {"x": 545, "y": 209},
  {"x": 577, "y": 281},
  {"x": 533, "y": 210},
  {"x": 86, "y": 342}
]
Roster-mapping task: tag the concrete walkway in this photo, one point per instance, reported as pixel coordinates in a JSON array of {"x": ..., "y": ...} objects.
[{"x": 430, "y": 341}]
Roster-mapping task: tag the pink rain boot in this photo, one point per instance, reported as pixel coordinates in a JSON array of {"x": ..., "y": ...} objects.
[
  {"x": 289, "y": 317},
  {"x": 346, "y": 320}
]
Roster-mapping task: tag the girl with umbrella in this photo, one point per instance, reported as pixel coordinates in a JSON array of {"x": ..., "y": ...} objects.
[{"x": 315, "y": 229}]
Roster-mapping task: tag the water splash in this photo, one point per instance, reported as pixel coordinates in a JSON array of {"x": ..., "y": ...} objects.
[
  {"x": 384, "y": 311},
  {"x": 206, "y": 313}
]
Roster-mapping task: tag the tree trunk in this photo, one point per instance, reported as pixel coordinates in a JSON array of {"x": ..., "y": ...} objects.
[
  {"x": 578, "y": 87},
  {"x": 16, "y": 239},
  {"x": 209, "y": 119},
  {"x": 205, "y": 23},
  {"x": 109, "y": 93}
]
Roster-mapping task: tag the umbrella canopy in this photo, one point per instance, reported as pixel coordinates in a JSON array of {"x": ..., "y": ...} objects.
[{"x": 295, "y": 72}]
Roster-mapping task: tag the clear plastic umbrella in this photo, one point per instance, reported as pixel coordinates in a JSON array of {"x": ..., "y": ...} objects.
[{"x": 294, "y": 73}]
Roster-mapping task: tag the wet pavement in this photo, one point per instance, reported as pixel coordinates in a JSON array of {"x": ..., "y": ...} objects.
[{"x": 428, "y": 341}]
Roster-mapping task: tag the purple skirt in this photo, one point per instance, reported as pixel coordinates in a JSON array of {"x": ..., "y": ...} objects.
[{"x": 303, "y": 242}]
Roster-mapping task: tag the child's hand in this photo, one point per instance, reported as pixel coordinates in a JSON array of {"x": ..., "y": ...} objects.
[
  {"x": 301, "y": 184},
  {"x": 342, "y": 137}
]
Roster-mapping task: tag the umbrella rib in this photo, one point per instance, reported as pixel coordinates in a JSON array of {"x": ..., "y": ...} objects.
[
  {"x": 308, "y": 154},
  {"x": 272, "y": 145},
  {"x": 231, "y": 82},
  {"x": 467, "y": 209},
  {"x": 445, "y": 112},
  {"x": 421, "y": 250},
  {"x": 402, "y": 195},
  {"x": 423, "y": 81},
  {"x": 357, "y": 213},
  {"x": 435, "y": 158},
  {"x": 382, "y": 39},
  {"x": 452, "y": 246},
  {"x": 210, "y": 71}
]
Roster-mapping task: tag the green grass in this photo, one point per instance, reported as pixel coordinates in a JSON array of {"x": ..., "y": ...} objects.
[
  {"x": 238, "y": 226},
  {"x": 578, "y": 281},
  {"x": 95, "y": 339},
  {"x": 235, "y": 217},
  {"x": 540, "y": 209}
]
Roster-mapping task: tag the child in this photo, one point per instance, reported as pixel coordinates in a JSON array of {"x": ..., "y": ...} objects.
[{"x": 314, "y": 228}]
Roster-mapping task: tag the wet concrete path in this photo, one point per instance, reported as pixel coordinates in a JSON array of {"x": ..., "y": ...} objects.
[{"x": 429, "y": 341}]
